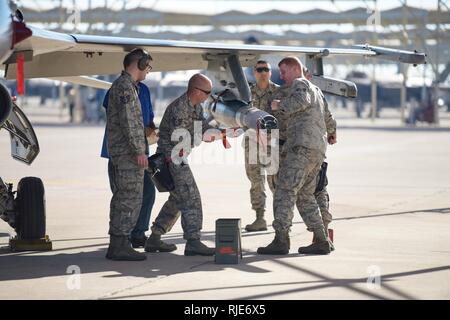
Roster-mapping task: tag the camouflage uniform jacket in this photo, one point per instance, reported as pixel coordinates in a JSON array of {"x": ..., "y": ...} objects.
[
  {"x": 281, "y": 93},
  {"x": 304, "y": 109},
  {"x": 261, "y": 99},
  {"x": 124, "y": 119},
  {"x": 180, "y": 114}
]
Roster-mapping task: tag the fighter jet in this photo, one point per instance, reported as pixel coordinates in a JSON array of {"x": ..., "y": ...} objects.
[{"x": 29, "y": 52}]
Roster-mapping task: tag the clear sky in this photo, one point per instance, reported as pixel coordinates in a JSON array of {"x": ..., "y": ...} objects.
[{"x": 218, "y": 6}]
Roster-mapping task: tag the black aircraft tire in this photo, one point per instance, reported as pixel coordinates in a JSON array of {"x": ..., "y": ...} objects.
[{"x": 31, "y": 207}]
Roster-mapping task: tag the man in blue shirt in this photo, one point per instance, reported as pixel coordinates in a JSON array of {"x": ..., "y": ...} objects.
[{"x": 137, "y": 236}]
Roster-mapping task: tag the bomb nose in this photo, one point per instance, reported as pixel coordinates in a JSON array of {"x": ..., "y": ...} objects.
[{"x": 268, "y": 122}]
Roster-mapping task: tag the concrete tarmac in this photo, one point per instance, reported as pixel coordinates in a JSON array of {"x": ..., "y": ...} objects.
[{"x": 389, "y": 189}]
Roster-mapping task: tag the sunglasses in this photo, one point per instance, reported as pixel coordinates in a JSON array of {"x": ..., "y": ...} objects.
[
  {"x": 204, "y": 91},
  {"x": 262, "y": 69}
]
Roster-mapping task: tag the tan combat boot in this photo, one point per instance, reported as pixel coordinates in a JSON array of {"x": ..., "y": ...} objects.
[
  {"x": 325, "y": 225},
  {"x": 327, "y": 234},
  {"x": 321, "y": 246},
  {"x": 154, "y": 244},
  {"x": 194, "y": 247},
  {"x": 120, "y": 249},
  {"x": 280, "y": 245},
  {"x": 259, "y": 224}
]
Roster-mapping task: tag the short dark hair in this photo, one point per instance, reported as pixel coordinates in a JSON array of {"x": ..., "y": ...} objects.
[
  {"x": 135, "y": 55},
  {"x": 262, "y": 62}
]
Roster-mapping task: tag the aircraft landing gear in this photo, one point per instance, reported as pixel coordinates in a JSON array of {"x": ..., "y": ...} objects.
[{"x": 26, "y": 214}]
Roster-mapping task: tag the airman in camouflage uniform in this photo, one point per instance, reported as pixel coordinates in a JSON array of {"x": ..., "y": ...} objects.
[
  {"x": 126, "y": 148},
  {"x": 301, "y": 158},
  {"x": 262, "y": 92},
  {"x": 321, "y": 195},
  {"x": 181, "y": 119}
]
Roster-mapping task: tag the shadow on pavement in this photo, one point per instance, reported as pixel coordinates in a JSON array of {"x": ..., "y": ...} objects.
[
  {"x": 323, "y": 282},
  {"x": 91, "y": 259}
]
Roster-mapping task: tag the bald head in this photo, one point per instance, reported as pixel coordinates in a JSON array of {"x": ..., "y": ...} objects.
[
  {"x": 200, "y": 81},
  {"x": 199, "y": 88}
]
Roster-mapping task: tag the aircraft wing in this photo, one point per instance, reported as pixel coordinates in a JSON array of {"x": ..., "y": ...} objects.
[
  {"x": 85, "y": 81},
  {"x": 51, "y": 54}
]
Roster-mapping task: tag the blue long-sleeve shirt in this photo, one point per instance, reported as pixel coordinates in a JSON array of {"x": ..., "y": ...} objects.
[{"x": 147, "y": 113}]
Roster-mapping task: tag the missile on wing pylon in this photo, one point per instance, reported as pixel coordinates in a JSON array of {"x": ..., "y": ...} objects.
[{"x": 237, "y": 113}]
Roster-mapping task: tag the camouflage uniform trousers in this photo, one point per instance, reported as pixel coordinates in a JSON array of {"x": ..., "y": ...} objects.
[
  {"x": 184, "y": 200},
  {"x": 126, "y": 179},
  {"x": 255, "y": 173},
  {"x": 3, "y": 196},
  {"x": 323, "y": 200},
  {"x": 322, "y": 197},
  {"x": 296, "y": 183}
]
